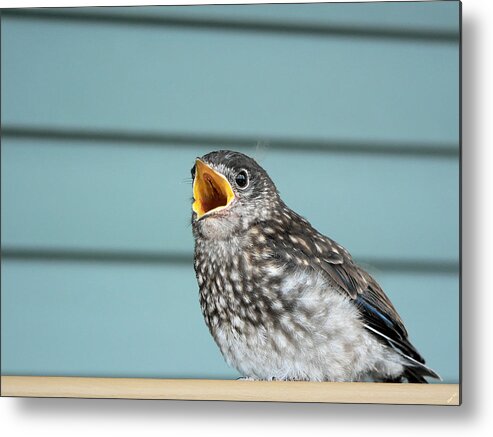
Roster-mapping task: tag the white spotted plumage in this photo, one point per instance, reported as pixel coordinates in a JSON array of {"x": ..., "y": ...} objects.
[{"x": 284, "y": 302}]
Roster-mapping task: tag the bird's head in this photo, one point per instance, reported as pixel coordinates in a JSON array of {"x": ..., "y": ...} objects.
[{"x": 231, "y": 192}]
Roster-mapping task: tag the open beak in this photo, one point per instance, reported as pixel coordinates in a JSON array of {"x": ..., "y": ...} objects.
[{"x": 211, "y": 190}]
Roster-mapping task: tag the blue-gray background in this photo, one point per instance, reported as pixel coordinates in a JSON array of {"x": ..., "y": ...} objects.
[{"x": 353, "y": 109}]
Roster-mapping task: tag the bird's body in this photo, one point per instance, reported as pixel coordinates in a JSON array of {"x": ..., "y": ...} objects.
[{"x": 281, "y": 300}]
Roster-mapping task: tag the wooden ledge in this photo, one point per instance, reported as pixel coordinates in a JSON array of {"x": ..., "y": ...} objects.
[{"x": 202, "y": 389}]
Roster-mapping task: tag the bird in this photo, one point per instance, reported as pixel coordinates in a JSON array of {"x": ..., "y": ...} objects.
[{"x": 282, "y": 301}]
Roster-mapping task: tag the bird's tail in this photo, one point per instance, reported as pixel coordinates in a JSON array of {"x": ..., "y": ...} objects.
[{"x": 416, "y": 371}]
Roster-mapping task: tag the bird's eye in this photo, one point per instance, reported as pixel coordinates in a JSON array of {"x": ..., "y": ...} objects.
[
  {"x": 193, "y": 172},
  {"x": 242, "y": 179}
]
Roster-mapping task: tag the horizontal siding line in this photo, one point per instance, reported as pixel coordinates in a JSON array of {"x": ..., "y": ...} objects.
[
  {"x": 236, "y": 25},
  {"x": 182, "y": 258},
  {"x": 116, "y": 137}
]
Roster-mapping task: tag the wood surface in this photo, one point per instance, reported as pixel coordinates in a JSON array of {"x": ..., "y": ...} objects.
[{"x": 236, "y": 390}]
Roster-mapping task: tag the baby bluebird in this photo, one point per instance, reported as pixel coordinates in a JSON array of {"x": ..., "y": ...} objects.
[{"x": 283, "y": 301}]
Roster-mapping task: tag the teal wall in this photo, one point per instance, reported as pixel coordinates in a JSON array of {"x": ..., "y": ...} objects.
[{"x": 353, "y": 109}]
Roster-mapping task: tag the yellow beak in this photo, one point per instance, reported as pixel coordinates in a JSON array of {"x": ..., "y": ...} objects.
[{"x": 211, "y": 190}]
